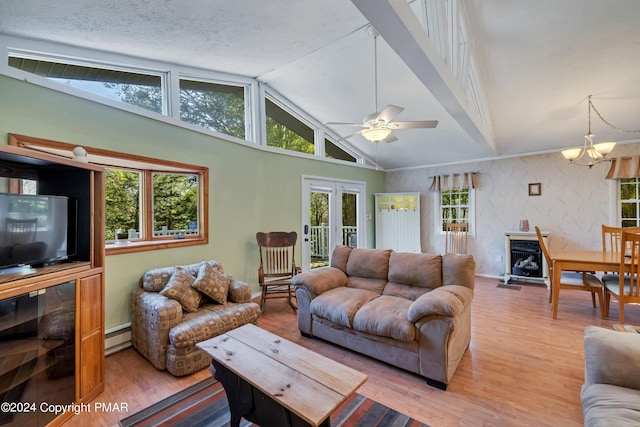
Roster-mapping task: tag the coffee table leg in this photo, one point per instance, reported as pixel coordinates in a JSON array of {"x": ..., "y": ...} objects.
[{"x": 238, "y": 392}]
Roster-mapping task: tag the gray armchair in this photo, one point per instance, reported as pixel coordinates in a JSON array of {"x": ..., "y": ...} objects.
[{"x": 611, "y": 391}]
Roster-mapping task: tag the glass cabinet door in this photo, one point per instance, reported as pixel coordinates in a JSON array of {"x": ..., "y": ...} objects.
[{"x": 37, "y": 352}]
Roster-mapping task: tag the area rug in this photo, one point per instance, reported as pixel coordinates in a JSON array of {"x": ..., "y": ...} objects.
[{"x": 205, "y": 405}]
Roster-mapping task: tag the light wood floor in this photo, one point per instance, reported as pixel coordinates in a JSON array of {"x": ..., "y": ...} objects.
[{"x": 522, "y": 368}]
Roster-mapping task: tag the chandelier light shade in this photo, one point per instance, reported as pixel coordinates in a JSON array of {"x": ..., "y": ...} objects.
[
  {"x": 595, "y": 153},
  {"x": 376, "y": 134}
]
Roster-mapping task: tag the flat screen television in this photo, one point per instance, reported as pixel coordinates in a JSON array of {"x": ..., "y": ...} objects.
[{"x": 35, "y": 230}]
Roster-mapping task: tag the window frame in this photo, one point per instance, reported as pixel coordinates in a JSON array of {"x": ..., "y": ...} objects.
[
  {"x": 619, "y": 201},
  {"x": 255, "y": 94},
  {"x": 248, "y": 116},
  {"x": 437, "y": 206},
  {"x": 147, "y": 166}
]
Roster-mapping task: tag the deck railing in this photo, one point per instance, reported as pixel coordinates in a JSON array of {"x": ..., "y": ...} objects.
[{"x": 320, "y": 239}]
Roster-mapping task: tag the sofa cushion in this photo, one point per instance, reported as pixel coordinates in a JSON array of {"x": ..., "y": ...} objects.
[
  {"x": 458, "y": 269},
  {"x": 156, "y": 279},
  {"x": 212, "y": 320},
  {"x": 424, "y": 270},
  {"x": 374, "y": 285},
  {"x": 386, "y": 316},
  {"x": 340, "y": 256},
  {"x": 340, "y": 305},
  {"x": 607, "y": 405},
  {"x": 405, "y": 291},
  {"x": 179, "y": 288},
  {"x": 212, "y": 283},
  {"x": 370, "y": 263}
]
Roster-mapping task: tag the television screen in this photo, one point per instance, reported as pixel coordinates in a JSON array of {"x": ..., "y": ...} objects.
[{"x": 33, "y": 229}]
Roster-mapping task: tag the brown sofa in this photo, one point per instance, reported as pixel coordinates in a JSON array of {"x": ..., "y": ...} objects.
[
  {"x": 166, "y": 328},
  {"x": 411, "y": 310}
]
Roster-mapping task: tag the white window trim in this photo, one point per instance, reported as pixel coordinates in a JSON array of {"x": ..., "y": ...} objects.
[
  {"x": 170, "y": 75},
  {"x": 614, "y": 202}
]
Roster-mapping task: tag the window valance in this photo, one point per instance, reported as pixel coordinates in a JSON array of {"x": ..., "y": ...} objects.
[
  {"x": 624, "y": 167},
  {"x": 456, "y": 181}
]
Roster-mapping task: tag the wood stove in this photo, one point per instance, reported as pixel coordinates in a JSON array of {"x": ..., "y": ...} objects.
[{"x": 524, "y": 259}]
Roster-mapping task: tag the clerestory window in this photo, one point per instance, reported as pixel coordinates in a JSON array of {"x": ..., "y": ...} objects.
[
  {"x": 214, "y": 106},
  {"x": 130, "y": 87},
  {"x": 204, "y": 101},
  {"x": 286, "y": 131},
  {"x": 333, "y": 151}
]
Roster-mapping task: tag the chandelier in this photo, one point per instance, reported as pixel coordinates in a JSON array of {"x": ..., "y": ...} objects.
[{"x": 593, "y": 153}]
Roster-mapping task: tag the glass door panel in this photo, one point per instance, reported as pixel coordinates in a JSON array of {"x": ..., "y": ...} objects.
[
  {"x": 319, "y": 216},
  {"x": 333, "y": 214}
]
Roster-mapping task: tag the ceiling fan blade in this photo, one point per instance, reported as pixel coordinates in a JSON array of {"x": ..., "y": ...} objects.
[
  {"x": 342, "y": 124},
  {"x": 413, "y": 125},
  {"x": 389, "y": 113},
  {"x": 349, "y": 136},
  {"x": 390, "y": 138}
]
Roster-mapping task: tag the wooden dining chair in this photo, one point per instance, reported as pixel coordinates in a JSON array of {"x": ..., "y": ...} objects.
[
  {"x": 626, "y": 290},
  {"x": 574, "y": 280},
  {"x": 611, "y": 237},
  {"x": 612, "y": 242},
  {"x": 277, "y": 265},
  {"x": 456, "y": 238}
]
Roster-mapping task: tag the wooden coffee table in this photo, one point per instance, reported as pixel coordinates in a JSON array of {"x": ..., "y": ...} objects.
[
  {"x": 627, "y": 328},
  {"x": 273, "y": 382}
]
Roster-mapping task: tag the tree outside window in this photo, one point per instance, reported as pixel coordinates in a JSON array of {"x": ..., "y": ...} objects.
[
  {"x": 175, "y": 204},
  {"x": 286, "y": 131},
  {"x": 629, "y": 202},
  {"x": 213, "y": 106},
  {"x": 122, "y": 202}
]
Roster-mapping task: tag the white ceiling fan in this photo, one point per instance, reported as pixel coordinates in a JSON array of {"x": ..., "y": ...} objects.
[{"x": 378, "y": 126}]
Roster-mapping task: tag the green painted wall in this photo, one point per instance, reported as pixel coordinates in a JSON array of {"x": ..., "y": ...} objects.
[{"x": 250, "y": 190}]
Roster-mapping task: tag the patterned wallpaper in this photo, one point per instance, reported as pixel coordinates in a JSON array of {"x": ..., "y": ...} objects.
[{"x": 574, "y": 203}]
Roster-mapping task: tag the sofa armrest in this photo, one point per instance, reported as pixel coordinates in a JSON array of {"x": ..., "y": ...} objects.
[
  {"x": 239, "y": 292},
  {"x": 611, "y": 357},
  {"x": 152, "y": 316},
  {"x": 319, "y": 281},
  {"x": 448, "y": 301}
]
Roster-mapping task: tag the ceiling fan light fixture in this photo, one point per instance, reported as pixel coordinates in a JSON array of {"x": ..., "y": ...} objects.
[{"x": 376, "y": 134}]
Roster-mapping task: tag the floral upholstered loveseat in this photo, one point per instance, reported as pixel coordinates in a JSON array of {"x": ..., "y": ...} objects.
[
  {"x": 411, "y": 310},
  {"x": 178, "y": 307}
]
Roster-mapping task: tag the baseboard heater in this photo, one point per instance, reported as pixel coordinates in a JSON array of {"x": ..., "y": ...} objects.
[{"x": 117, "y": 339}]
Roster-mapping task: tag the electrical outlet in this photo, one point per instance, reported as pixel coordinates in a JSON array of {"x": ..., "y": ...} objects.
[{"x": 499, "y": 258}]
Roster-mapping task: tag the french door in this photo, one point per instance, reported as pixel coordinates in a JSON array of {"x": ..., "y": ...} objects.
[{"x": 333, "y": 213}]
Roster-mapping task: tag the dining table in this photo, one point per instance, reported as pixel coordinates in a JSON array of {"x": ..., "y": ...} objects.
[{"x": 579, "y": 260}]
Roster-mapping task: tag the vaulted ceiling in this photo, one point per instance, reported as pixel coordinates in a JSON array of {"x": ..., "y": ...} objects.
[{"x": 537, "y": 60}]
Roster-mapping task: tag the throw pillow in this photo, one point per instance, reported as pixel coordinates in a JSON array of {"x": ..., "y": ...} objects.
[
  {"x": 179, "y": 288},
  {"x": 212, "y": 282}
]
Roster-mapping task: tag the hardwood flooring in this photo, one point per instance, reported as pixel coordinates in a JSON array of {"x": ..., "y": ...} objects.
[{"x": 522, "y": 368}]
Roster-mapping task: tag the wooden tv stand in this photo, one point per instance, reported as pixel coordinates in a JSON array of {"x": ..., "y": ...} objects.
[{"x": 52, "y": 317}]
